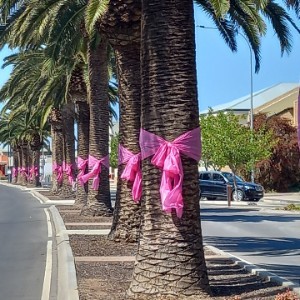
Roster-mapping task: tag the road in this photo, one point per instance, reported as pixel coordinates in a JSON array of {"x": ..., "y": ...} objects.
[
  {"x": 23, "y": 245},
  {"x": 266, "y": 239}
]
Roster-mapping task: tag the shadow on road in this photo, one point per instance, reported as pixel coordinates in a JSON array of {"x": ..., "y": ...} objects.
[{"x": 244, "y": 215}]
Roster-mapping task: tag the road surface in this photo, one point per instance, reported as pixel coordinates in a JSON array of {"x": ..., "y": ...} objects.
[
  {"x": 23, "y": 245},
  {"x": 269, "y": 240}
]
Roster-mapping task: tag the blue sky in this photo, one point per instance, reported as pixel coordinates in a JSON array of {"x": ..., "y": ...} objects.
[{"x": 224, "y": 76}]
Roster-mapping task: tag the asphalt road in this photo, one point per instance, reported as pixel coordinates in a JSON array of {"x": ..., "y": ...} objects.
[
  {"x": 268, "y": 240},
  {"x": 23, "y": 242}
]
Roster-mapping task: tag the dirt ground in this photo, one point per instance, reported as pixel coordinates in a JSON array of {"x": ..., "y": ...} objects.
[{"x": 108, "y": 279}]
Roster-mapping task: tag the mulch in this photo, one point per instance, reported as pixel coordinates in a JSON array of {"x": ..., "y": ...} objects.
[
  {"x": 56, "y": 197},
  {"x": 110, "y": 280}
]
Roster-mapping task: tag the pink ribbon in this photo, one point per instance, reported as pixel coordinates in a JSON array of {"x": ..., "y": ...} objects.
[
  {"x": 81, "y": 165},
  {"x": 15, "y": 172},
  {"x": 95, "y": 166},
  {"x": 68, "y": 169},
  {"x": 58, "y": 170},
  {"x": 167, "y": 157},
  {"x": 24, "y": 172},
  {"x": 33, "y": 172},
  {"x": 132, "y": 171}
]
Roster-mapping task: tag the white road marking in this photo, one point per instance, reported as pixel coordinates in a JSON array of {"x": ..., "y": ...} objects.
[
  {"x": 48, "y": 268},
  {"x": 48, "y": 223},
  {"x": 33, "y": 195},
  {"x": 48, "y": 272}
]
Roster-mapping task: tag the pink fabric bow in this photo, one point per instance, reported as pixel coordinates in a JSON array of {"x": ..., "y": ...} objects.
[
  {"x": 167, "y": 157},
  {"x": 24, "y": 172},
  {"x": 68, "y": 169},
  {"x": 58, "y": 169},
  {"x": 132, "y": 171},
  {"x": 95, "y": 166},
  {"x": 33, "y": 172},
  {"x": 15, "y": 172},
  {"x": 81, "y": 165}
]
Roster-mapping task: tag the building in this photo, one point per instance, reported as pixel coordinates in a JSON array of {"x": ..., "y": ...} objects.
[
  {"x": 280, "y": 99},
  {"x": 3, "y": 163}
]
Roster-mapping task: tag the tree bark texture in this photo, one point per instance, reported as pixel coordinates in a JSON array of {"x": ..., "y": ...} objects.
[
  {"x": 55, "y": 120},
  {"x": 83, "y": 129},
  {"x": 68, "y": 115},
  {"x": 25, "y": 162},
  {"x": 121, "y": 24},
  {"x": 127, "y": 213},
  {"x": 16, "y": 163},
  {"x": 99, "y": 202},
  {"x": 170, "y": 259}
]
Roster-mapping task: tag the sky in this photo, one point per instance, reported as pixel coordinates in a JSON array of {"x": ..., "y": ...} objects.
[{"x": 224, "y": 76}]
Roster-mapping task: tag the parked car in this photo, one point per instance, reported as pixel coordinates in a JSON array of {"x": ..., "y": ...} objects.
[{"x": 213, "y": 184}]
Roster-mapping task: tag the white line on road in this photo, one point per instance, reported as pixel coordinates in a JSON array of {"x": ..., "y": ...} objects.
[
  {"x": 48, "y": 272},
  {"x": 48, "y": 267},
  {"x": 37, "y": 198},
  {"x": 48, "y": 223}
]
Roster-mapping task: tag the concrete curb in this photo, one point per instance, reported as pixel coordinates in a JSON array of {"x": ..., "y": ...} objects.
[
  {"x": 253, "y": 269},
  {"x": 67, "y": 281}
]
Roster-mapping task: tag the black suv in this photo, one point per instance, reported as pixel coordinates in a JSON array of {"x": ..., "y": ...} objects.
[{"x": 213, "y": 184}]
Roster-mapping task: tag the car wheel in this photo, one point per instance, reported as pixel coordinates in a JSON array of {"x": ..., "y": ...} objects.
[{"x": 238, "y": 195}]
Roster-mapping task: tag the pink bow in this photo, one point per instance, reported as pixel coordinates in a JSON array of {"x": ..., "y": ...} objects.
[
  {"x": 81, "y": 165},
  {"x": 24, "y": 171},
  {"x": 33, "y": 172},
  {"x": 132, "y": 171},
  {"x": 167, "y": 157},
  {"x": 95, "y": 166},
  {"x": 68, "y": 169},
  {"x": 58, "y": 169},
  {"x": 15, "y": 172}
]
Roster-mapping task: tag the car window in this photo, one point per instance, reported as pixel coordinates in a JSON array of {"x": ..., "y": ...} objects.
[
  {"x": 229, "y": 177},
  {"x": 204, "y": 176},
  {"x": 217, "y": 177}
]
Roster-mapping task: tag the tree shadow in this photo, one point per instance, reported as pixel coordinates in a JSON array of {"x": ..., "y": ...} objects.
[{"x": 244, "y": 215}]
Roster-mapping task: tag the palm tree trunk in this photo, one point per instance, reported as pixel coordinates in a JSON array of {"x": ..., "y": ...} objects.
[
  {"x": 16, "y": 164},
  {"x": 36, "y": 164},
  {"x": 170, "y": 259},
  {"x": 127, "y": 213},
  {"x": 83, "y": 129},
  {"x": 19, "y": 178},
  {"x": 55, "y": 120},
  {"x": 68, "y": 114},
  {"x": 99, "y": 202},
  {"x": 25, "y": 162}
]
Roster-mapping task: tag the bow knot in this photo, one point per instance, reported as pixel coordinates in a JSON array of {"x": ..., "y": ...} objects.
[
  {"x": 68, "y": 169},
  {"x": 58, "y": 170},
  {"x": 81, "y": 165},
  {"x": 132, "y": 171},
  {"x": 167, "y": 156},
  {"x": 95, "y": 166}
]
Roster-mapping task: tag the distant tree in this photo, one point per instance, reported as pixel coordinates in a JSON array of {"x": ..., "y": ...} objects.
[
  {"x": 281, "y": 170},
  {"x": 225, "y": 142},
  {"x": 113, "y": 156}
]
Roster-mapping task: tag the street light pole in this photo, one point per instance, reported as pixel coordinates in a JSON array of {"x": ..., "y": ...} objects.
[{"x": 251, "y": 86}]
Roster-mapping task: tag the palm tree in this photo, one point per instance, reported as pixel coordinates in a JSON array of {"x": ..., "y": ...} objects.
[
  {"x": 169, "y": 109},
  {"x": 123, "y": 34}
]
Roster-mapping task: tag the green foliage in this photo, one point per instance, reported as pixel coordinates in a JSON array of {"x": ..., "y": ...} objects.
[
  {"x": 225, "y": 142},
  {"x": 114, "y": 146},
  {"x": 292, "y": 207},
  {"x": 280, "y": 171}
]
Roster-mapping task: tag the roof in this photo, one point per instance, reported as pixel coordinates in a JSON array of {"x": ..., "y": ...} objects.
[{"x": 259, "y": 98}]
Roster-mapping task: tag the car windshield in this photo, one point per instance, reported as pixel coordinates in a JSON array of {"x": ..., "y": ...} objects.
[{"x": 229, "y": 177}]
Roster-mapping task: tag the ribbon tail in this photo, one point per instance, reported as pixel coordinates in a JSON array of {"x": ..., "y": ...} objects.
[
  {"x": 96, "y": 182},
  {"x": 137, "y": 187}
]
